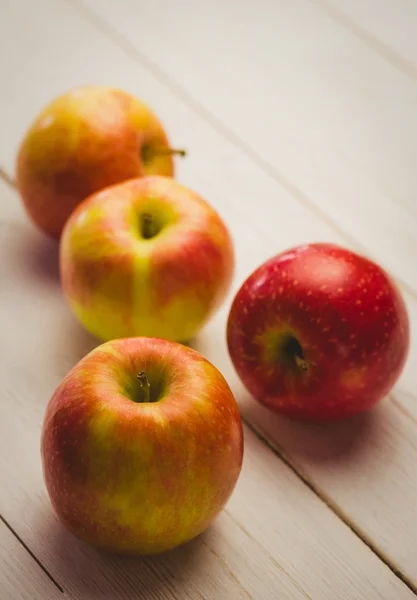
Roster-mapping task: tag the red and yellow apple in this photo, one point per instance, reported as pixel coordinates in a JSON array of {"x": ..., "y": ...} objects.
[
  {"x": 147, "y": 257},
  {"x": 142, "y": 446},
  {"x": 87, "y": 139},
  {"x": 318, "y": 332}
]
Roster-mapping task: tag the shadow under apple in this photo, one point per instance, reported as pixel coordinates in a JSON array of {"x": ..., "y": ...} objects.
[
  {"x": 71, "y": 342},
  {"x": 338, "y": 444},
  {"x": 97, "y": 574},
  {"x": 35, "y": 254},
  {"x": 331, "y": 448}
]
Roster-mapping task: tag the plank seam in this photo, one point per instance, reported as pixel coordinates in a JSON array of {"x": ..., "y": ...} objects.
[
  {"x": 229, "y": 571},
  {"x": 4, "y": 176},
  {"x": 255, "y": 541},
  {"x": 380, "y": 48},
  {"x": 167, "y": 80},
  {"x": 35, "y": 558},
  {"x": 299, "y": 196},
  {"x": 331, "y": 505}
]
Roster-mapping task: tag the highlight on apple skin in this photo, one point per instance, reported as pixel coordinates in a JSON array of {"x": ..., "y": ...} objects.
[
  {"x": 84, "y": 140},
  {"x": 142, "y": 446},
  {"x": 147, "y": 257},
  {"x": 318, "y": 332}
]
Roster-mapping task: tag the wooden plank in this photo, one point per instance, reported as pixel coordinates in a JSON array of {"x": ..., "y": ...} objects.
[
  {"x": 242, "y": 193},
  {"x": 364, "y": 468},
  {"x": 388, "y": 28},
  {"x": 36, "y": 352},
  {"x": 276, "y": 538},
  {"x": 292, "y": 87},
  {"x": 189, "y": 47},
  {"x": 21, "y": 578},
  {"x": 274, "y": 532},
  {"x": 404, "y": 393}
]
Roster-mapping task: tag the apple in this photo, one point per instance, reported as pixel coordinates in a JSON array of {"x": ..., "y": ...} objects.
[
  {"x": 147, "y": 257},
  {"x": 142, "y": 446},
  {"x": 87, "y": 139},
  {"x": 318, "y": 332}
]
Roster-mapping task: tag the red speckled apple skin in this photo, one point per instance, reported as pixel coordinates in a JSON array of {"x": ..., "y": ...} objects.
[{"x": 348, "y": 317}]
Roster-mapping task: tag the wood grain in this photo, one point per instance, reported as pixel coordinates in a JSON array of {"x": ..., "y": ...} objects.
[
  {"x": 388, "y": 28},
  {"x": 381, "y": 218},
  {"x": 291, "y": 86},
  {"x": 276, "y": 537},
  {"x": 302, "y": 544}
]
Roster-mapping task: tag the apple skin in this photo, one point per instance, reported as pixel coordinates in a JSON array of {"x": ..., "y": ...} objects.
[
  {"x": 121, "y": 284},
  {"x": 318, "y": 332},
  {"x": 88, "y": 138},
  {"x": 141, "y": 477}
]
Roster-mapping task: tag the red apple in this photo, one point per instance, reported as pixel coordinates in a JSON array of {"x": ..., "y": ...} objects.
[
  {"x": 141, "y": 446},
  {"x": 85, "y": 140},
  {"x": 318, "y": 332},
  {"x": 147, "y": 257}
]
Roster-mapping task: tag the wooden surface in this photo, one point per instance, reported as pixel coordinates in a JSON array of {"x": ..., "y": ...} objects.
[
  {"x": 299, "y": 118},
  {"x": 20, "y": 575}
]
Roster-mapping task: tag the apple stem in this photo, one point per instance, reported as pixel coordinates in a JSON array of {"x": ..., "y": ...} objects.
[
  {"x": 148, "y": 226},
  {"x": 144, "y": 386},
  {"x": 148, "y": 152},
  {"x": 301, "y": 363},
  {"x": 293, "y": 352}
]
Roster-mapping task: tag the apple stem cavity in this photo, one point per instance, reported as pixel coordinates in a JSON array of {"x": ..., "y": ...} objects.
[
  {"x": 144, "y": 387},
  {"x": 149, "y": 152}
]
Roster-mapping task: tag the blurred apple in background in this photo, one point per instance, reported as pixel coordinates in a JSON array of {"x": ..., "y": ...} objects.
[
  {"x": 142, "y": 446},
  {"x": 318, "y": 332},
  {"x": 146, "y": 257},
  {"x": 87, "y": 139}
]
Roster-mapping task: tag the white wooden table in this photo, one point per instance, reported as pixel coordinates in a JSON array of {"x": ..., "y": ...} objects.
[{"x": 300, "y": 117}]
